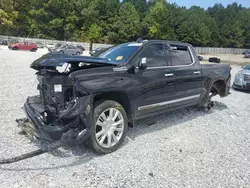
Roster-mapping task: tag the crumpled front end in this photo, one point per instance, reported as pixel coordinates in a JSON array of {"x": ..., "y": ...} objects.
[{"x": 71, "y": 125}]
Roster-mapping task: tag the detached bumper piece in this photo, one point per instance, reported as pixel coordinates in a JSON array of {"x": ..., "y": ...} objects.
[{"x": 72, "y": 125}]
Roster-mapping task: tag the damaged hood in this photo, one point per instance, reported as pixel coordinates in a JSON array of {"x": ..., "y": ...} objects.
[{"x": 55, "y": 60}]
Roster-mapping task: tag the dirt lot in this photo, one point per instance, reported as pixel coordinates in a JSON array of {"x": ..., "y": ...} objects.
[{"x": 187, "y": 148}]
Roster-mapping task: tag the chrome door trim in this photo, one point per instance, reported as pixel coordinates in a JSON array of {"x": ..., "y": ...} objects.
[
  {"x": 169, "y": 74},
  {"x": 167, "y": 102}
]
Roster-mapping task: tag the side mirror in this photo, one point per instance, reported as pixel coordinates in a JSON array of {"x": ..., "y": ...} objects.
[{"x": 143, "y": 63}]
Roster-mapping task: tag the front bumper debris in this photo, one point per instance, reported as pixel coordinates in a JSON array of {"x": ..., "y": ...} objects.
[{"x": 78, "y": 117}]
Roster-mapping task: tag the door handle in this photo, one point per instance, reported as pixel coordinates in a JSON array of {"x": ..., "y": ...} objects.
[
  {"x": 169, "y": 74},
  {"x": 197, "y": 72}
]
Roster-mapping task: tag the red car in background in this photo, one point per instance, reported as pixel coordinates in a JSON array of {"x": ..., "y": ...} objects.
[{"x": 24, "y": 46}]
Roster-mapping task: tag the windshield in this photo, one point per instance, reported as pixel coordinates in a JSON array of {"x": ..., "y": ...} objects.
[{"x": 121, "y": 53}]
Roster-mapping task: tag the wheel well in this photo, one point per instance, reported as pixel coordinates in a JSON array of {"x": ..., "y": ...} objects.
[
  {"x": 219, "y": 87},
  {"x": 118, "y": 97}
]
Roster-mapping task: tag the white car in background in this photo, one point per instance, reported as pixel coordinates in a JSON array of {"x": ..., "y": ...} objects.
[
  {"x": 68, "y": 49},
  {"x": 50, "y": 45}
]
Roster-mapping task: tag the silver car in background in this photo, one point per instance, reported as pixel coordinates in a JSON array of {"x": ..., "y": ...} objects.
[
  {"x": 69, "y": 50},
  {"x": 242, "y": 79}
]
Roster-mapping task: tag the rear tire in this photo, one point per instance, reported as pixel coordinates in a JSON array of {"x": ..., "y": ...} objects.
[
  {"x": 61, "y": 52},
  {"x": 109, "y": 128},
  {"x": 33, "y": 50},
  {"x": 78, "y": 53}
]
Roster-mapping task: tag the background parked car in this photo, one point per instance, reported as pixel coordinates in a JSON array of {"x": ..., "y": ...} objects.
[
  {"x": 69, "y": 50},
  {"x": 50, "y": 46},
  {"x": 58, "y": 45},
  {"x": 3, "y": 42},
  {"x": 31, "y": 46},
  {"x": 246, "y": 52},
  {"x": 200, "y": 58},
  {"x": 214, "y": 60},
  {"x": 39, "y": 45},
  {"x": 13, "y": 41},
  {"x": 93, "y": 52},
  {"x": 242, "y": 79},
  {"x": 81, "y": 47},
  {"x": 247, "y": 55}
]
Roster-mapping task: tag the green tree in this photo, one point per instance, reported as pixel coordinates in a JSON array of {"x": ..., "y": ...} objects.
[
  {"x": 140, "y": 5},
  {"x": 125, "y": 24},
  {"x": 8, "y": 15},
  {"x": 115, "y": 21},
  {"x": 158, "y": 23},
  {"x": 94, "y": 33}
]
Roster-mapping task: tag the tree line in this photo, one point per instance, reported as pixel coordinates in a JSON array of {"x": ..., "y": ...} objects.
[{"x": 115, "y": 21}]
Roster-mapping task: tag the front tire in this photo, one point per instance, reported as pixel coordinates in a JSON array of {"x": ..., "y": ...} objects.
[
  {"x": 109, "y": 128},
  {"x": 33, "y": 50},
  {"x": 61, "y": 52}
]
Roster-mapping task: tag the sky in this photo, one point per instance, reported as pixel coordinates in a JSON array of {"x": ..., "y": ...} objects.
[{"x": 208, "y": 3}]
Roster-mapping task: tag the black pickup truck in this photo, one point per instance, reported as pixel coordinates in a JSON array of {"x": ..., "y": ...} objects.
[{"x": 93, "y": 100}]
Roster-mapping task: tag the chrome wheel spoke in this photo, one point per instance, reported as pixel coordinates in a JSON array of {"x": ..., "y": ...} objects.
[
  {"x": 114, "y": 137},
  {"x": 102, "y": 139},
  {"x": 117, "y": 123},
  {"x": 109, "y": 143},
  {"x": 100, "y": 133},
  {"x": 115, "y": 116},
  {"x": 104, "y": 116},
  {"x": 101, "y": 123},
  {"x": 118, "y": 129},
  {"x": 111, "y": 113}
]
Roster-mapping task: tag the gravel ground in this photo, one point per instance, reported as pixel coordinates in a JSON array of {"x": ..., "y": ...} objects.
[{"x": 186, "y": 148}]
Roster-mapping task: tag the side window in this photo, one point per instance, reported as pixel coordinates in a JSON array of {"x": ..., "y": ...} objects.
[
  {"x": 180, "y": 55},
  {"x": 155, "y": 55},
  {"x": 71, "y": 47}
]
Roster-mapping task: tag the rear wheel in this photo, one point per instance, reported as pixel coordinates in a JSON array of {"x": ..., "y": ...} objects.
[
  {"x": 61, "y": 52},
  {"x": 110, "y": 127},
  {"x": 33, "y": 50},
  {"x": 77, "y": 53}
]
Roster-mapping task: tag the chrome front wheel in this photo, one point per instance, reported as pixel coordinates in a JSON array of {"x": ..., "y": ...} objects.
[{"x": 109, "y": 127}]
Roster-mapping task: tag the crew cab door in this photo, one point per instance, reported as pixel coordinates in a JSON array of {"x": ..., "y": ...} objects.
[
  {"x": 187, "y": 73},
  {"x": 154, "y": 86}
]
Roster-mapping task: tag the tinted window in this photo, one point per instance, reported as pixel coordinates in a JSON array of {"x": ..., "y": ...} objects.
[
  {"x": 120, "y": 53},
  {"x": 156, "y": 55},
  {"x": 57, "y": 45},
  {"x": 71, "y": 47},
  {"x": 180, "y": 55}
]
